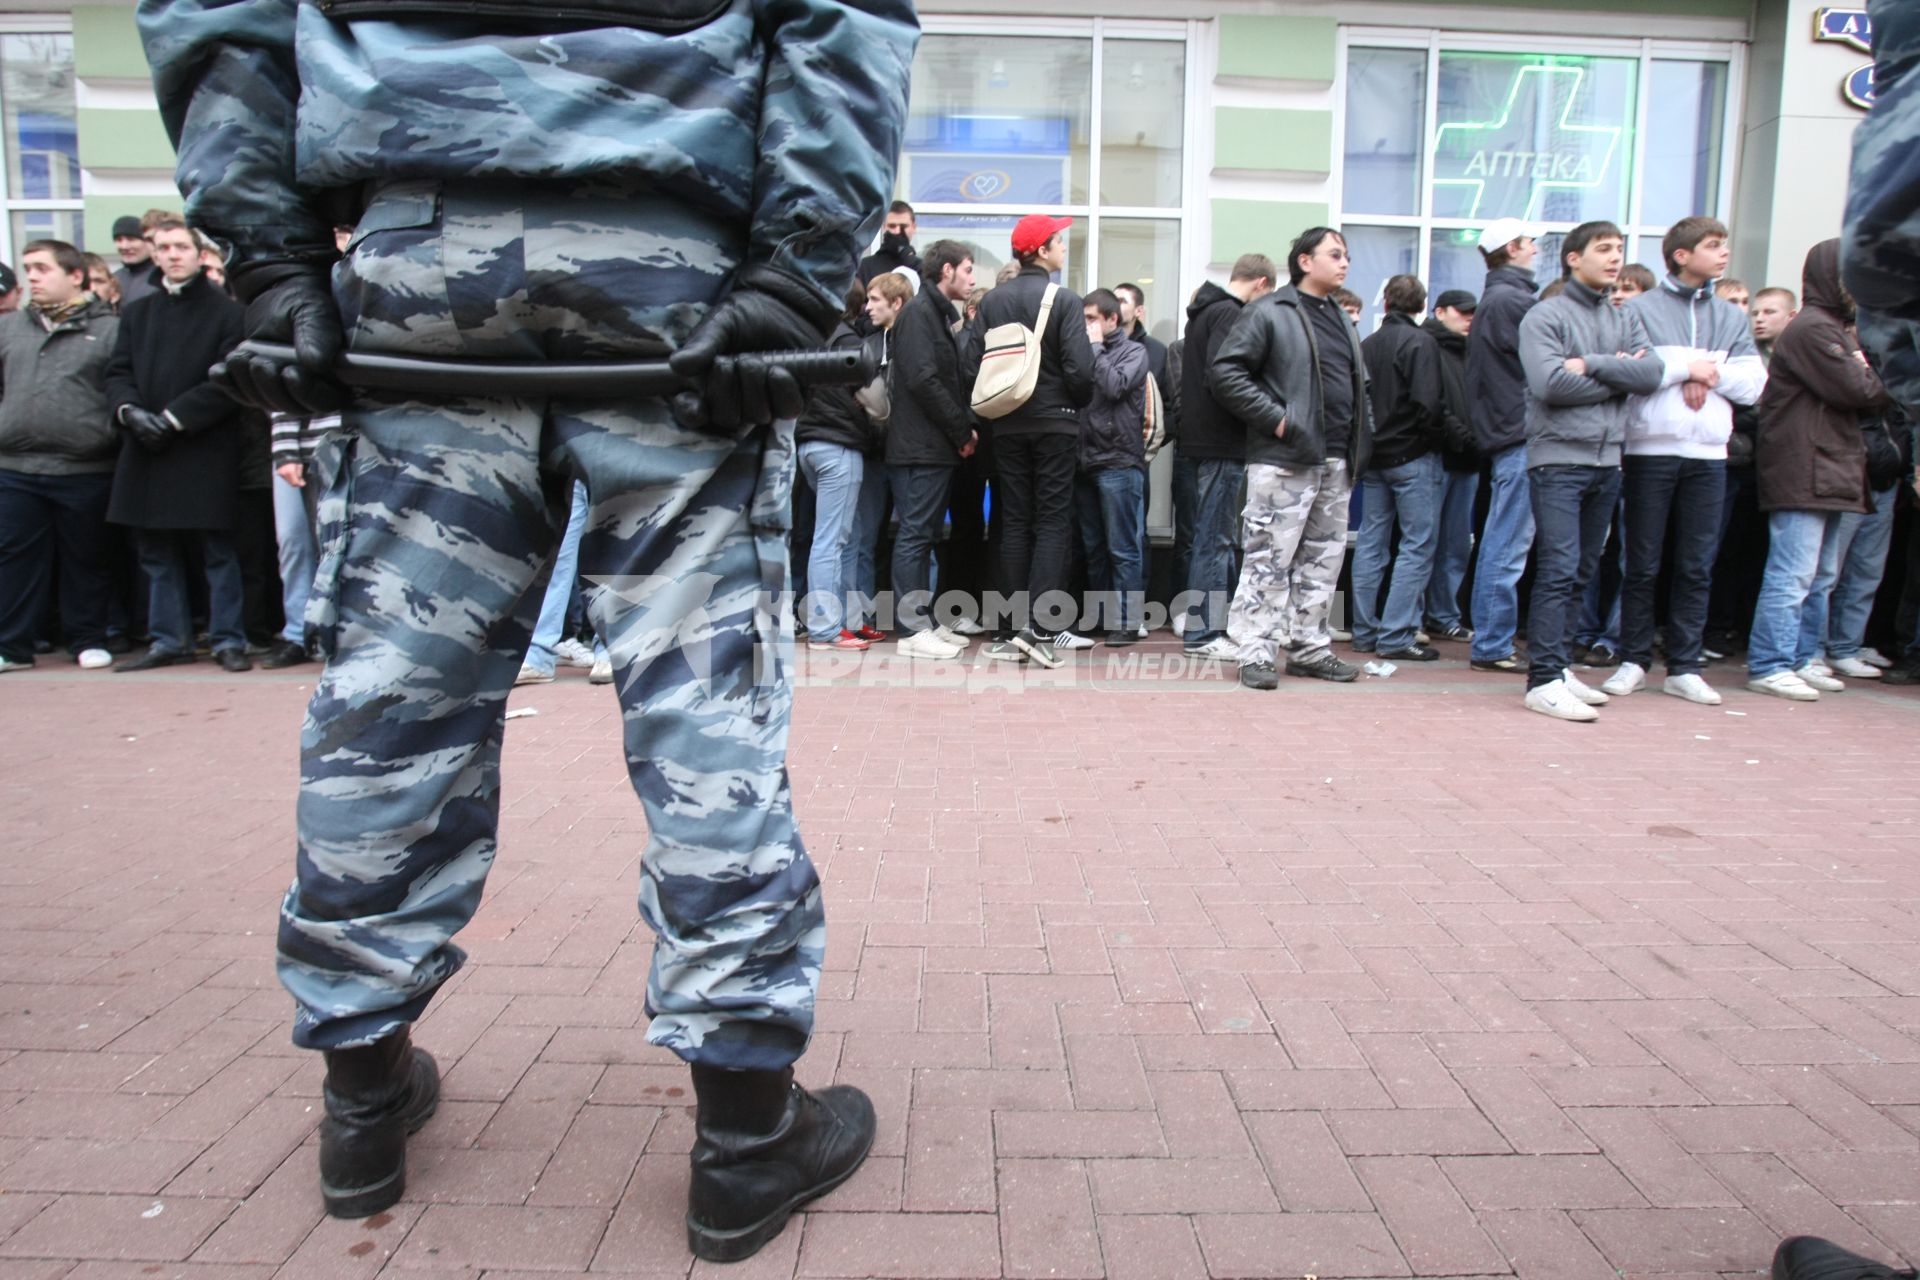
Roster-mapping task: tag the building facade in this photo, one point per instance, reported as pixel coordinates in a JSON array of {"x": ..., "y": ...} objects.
[{"x": 1180, "y": 134}]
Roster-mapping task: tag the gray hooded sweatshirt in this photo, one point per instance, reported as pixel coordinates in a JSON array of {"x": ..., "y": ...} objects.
[{"x": 1580, "y": 419}]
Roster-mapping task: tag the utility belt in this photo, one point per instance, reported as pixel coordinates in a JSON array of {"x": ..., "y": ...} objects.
[{"x": 662, "y": 17}]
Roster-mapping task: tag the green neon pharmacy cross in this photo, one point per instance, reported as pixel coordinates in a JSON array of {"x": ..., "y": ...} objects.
[{"x": 1507, "y": 165}]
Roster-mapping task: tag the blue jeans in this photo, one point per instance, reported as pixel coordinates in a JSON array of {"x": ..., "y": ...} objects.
[
  {"x": 859, "y": 569},
  {"x": 1600, "y": 605},
  {"x": 299, "y": 551},
  {"x": 566, "y": 573},
  {"x": 1572, "y": 507},
  {"x": 1112, "y": 506},
  {"x": 169, "y": 615},
  {"x": 1410, "y": 494},
  {"x": 1452, "y": 548},
  {"x": 836, "y": 473},
  {"x": 1186, "y": 501},
  {"x": 1862, "y": 559},
  {"x": 1788, "y": 620},
  {"x": 1213, "y": 564},
  {"x": 920, "y": 500},
  {"x": 1504, "y": 543},
  {"x": 1686, "y": 495}
]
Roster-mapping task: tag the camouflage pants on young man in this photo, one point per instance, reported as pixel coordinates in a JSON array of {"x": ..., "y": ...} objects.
[
  {"x": 1295, "y": 529},
  {"x": 439, "y": 521}
]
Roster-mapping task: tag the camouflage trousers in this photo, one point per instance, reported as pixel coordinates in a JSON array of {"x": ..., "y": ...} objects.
[
  {"x": 439, "y": 521},
  {"x": 1295, "y": 528}
]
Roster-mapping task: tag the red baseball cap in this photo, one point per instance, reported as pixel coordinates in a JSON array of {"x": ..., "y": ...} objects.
[{"x": 1035, "y": 230}]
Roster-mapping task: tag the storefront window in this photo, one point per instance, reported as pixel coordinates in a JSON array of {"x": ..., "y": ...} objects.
[
  {"x": 1089, "y": 126},
  {"x": 37, "y": 116},
  {"x": 1553, "y": 139}
]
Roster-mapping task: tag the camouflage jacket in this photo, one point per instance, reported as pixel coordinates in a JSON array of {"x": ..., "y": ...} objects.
[{"x": 780, "y": 118}]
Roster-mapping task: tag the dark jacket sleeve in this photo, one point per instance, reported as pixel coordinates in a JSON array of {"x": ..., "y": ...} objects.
[
  {"x": 1069, "y": 324},
  {"x": 1829, "y": 370},
  {"x": 121, "y": 388},
  {"x": 1170, "y": 394},
  {"x": 1420, "y": 375},
  {"x": 931, "y": 371},
  {"x": 1237, "y": 368},
  {"x": 204, "y": 406}
]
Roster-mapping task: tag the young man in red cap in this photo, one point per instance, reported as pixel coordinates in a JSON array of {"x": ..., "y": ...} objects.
[{"x": 1036, "y": 445}]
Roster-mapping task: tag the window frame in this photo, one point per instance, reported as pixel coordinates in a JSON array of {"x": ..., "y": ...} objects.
[
  {"x": 1436, "y": 42},
  {"x": 1099, "y": 31},
  {"x": 24, "y": 24}
]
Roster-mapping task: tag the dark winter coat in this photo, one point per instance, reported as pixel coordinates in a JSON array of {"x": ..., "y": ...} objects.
[
  {"x": 1459, "y": 452},
  {"x": 1409, "y": 399},
  {"x": 930, "y": 422},
  {"x": 1207, "y": 430},
  {"x": 1268, "y": 368},
  {"x": 1112, "y": 430},
  {"x": 1065, "y": 384},
  {"x": 167, "y": 342},
  {"x": 832, "y": 415},
  {"x": 1810, "y": 455},
  {"x": 54, "y": 417},
  {"x": 1496, "y": 384}
]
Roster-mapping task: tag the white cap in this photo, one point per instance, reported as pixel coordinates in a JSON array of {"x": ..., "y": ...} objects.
[{"x": 1502, "y": 232}]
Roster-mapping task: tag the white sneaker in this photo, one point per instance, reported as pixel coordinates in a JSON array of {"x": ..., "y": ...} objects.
[
  {"x": 1560, "y": 702},
  {"x": 1068, "y": 640},
  {"x": 1141, "y": 631},
  {"x": 1819, "y": 666},
  {"x": 1875, "y": 658},
  {"x": 1785, "y": 684},
  {"x": 927, "y": 644},
  {"x": 952, "y": 639},
  {"x": 1179, "y": 624},
  {"x": 1854, "y": 668},
  {"x": 530, "y": 674},
  {"x": 1582, "y": 690},
  {"x": 1692, "y": 688},
  {"x": 9, "y": 664},
  {"x": 572, "y": 653},
  {"x": 1340, "y": 635},
  {"x": 601, "y": 672},
  {"x": 1421, "y": 637},
  {"x": 96, "y": 659},
  {"x": 1820, "y": 676},
  {"x": 966, "y": 627},
  {"x": 1218, "y": 648},
  {"x": 1630, "y": 677}
]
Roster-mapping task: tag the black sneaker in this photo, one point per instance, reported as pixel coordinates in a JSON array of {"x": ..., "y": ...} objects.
[
  {"x": 1601, "y": 655},
  {"x": 1811, "y": 1258},
  {"x": 1119, "y": 639},
  {"x": 1511, "y": 663},
  {"x": 1039, "y": 648},
  {"x": 1456, "y": 633},
  {"x": 285, "y": 653},
  {"x": 1325, "y": 667},
  {"x": 1412, "y": 653},
  {"x": 1259, "y": 675},
  {"x": 233, "y": 658},
  {"x": 1904, "y": 672}
]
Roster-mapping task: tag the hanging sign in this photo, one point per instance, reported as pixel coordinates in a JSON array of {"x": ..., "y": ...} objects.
[{"x": 1854, "y": 29}]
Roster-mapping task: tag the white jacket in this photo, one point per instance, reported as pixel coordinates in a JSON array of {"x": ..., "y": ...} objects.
[{"x": 1688, "y": 324}]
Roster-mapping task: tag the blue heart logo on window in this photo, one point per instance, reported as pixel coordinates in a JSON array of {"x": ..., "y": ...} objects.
[{"x": 985, "y": 184}]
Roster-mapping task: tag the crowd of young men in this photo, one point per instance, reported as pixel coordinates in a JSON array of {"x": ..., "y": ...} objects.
[{"x": 1623, "y": 424}]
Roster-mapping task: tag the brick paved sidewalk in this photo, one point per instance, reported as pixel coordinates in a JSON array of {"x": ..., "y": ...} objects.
[{"x": 1147, "y": 976}]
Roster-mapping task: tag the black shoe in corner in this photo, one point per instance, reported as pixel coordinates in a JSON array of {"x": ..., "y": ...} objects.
[
  {"x": 233, "y": 658},
  {"x": 1259, "y": 675},
  {"x": 1811, "y": 1258},
  {"x": 1325, "y": 667},
  {"x": 154, "y": 658},
  {"x": 1120, "y": 639}
]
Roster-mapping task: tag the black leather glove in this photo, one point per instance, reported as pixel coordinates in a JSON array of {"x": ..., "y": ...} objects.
[
  {"x": 762, "y": 314},
  {"x": 149, "y": 430},
  {"x": 290, "y": 303}
]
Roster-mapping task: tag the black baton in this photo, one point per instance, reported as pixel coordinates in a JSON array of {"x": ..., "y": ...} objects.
[{"x": 507, "y": 379}]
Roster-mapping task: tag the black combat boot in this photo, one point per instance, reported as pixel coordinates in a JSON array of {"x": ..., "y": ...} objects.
[
  {"x": 763, "y": 1146},
  {"x": 376, "y": 1096},
  {"x": 1811, "y": 1258}
]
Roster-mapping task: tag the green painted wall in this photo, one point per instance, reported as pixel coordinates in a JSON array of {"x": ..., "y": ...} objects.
[
  {"x": 1262, "y": 47},
  {"x": 123, "y": 140},
  {"x": 106, "y": 44},
  {"x": 102, "y": 210},
  {"x": 1261, "y": 226},
  {"x": 1273, "y": 139}
]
